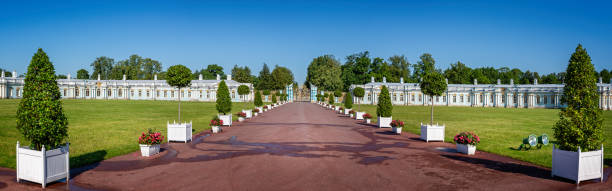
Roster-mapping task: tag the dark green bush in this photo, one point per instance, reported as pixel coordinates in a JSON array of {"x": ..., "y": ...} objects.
[
  {"x": 224, "y": 103},
  {"x": 384, "y": 107},
  {"x": 258, "y": 101},
  {"x": 348, "y": 101},
  {"x": 337, "y": 93},
  {"x": 40, "y": 117},
  {"x": 273, "y": 98},
  {"x": 330, "y": 99},
  {"x": 359, "y": 92}
]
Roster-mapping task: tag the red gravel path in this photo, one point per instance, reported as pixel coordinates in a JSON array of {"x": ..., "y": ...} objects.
[{"x": 302, "y": 146}]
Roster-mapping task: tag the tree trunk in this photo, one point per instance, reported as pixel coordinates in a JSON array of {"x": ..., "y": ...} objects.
[
  {"x": 179, "y": 112},
  {"x": 432, "y": 106}
]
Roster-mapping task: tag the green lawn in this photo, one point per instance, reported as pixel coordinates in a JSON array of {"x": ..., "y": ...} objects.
[
  {"x": 101, "y": 129},
  {"x": 501, "y": 130}
]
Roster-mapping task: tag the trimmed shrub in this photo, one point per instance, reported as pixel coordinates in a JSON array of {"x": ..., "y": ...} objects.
[
  {"x": 179, "y": 76},
  {"x": 224, "y": 103},
  {"x": 433, "y": 84},
  {"x": 348, "y": 101},
  {"x": 273, "y": 98},
  {"x": 243, "y": 90},
  {"x": 359, "y": 92},
  {"x": 266, "y": 92},
  {"x": 337, "y": 93},
  {"x": 384, "y": 107},
  {"x": 580, "y": 123},
  {"x": 330, "y": 99},
  {"x": 258, "y": 101},
  {"x": 40, "y": 117}
]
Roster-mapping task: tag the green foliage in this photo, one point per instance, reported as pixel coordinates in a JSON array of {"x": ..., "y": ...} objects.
[
  {"x": 210, "y": 73},
  {"x": 102, "y": 66},
  {"x": 433, "y": 84},
  {"x": 359, "y": 92},
  {"x": 134, "y": 68},
  {"x": 243, "y": 90},
  {"x": 258, "y": 101},
  {"x": 424, "y": 66},
  {"x": 330, "y": 99},
  {"x": 324, "y": 72},
  {"x": 273, "y": 98},
  {"x": 265, "y": 80},
  {"x": 241, "y": 74},
  {"x": 348, "y": 101},
  {"x": 40, "y": 117},
  {"x": 281, "y": 77},
  {"x": 580, "y": 123},
  {"x": 224, "y": 103},
  {"x": 337, "y": 93},
  {"x": 178, "y": 76},
  {"x": 82, "y": 74},
  {"x": 286, "y": 97},
  {"x": 384, "y": 107},
  {"x": 266, "y": 92},
  {"x": 277, "y": 93}
]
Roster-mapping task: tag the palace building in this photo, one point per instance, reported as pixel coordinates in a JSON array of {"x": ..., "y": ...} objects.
[
  {"x": 476, "y": 95},
  {"x": 200, "y": 90}
]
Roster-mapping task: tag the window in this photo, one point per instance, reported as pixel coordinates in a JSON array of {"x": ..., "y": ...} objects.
[
  {"x": 120, "y": 92},
  {"x": 200, "y": 93},
  {"x": 538, "y": 99},
  {"x": 97, "y": 92},
  {"x": 87, "y": 92},
  {"x": 481, "y": 98},
  {"x": 454, "y": 98},
  {"x": 468, "y": 98},
  {"x": 148, "y": 93},
  {"x": 132, "y": 93},
  {"x": 182, "y": 93},
  {"x": 552, "y": 100},
  {"x": 461, "y": 98},
  {"x": 545, "y": 99},
  {"x": 503, "y": 99},
  {"x": 165, "y": 93},
  {"x": 76, "y": 92},
  {"x": 172, "y": 93},
  {"x": 369, "y": 96},
  {"x": 412, "y": 98},
  {"x": 437, "y": 98},
  {"x": 526, "y": 99},
  {"x": 233, "y": 94},
  {"x": 139, "y": 93},
  {"x": 491, "y": 98},
  {"x": 157, "y": 93},
  {"x": 17, "y": 92},
  {"x": 207, "y": 94},
  {"x": 402, "y": 97},
  {"x": 188, "y": 93},
  {"x": 65, "y": 91},
  {"x": 109, "y": 93},
  {"x": 10, "y": 91},
  {"x": 420, "y": 97},
  {"x": 443, "y": 98},
  {"x": 514, "y": 98}
]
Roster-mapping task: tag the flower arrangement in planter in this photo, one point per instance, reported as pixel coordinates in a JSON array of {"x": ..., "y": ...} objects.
[
  {"x": 215, "y": 124},
  {"x": 255, "y": 111},
  {"x": 466, "y": 142},
  {"x": 351, "y": 113},
  {"x": 341, "y": 110},
  {"x": 397, "y": 126},
  {"x": 348, "y": 103},
  {"x": 149, "y": 143},
  {"x": 241, "y": 116},
  {"x": 367, "y": 118},
  {"x": 265, "y": 108}
]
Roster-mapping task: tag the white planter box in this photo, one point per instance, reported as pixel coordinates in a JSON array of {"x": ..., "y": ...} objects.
[
  {"x": 351, "y": 115},
  {"x": 346, "y": 111},
  {"x": 260, "y": 109},
  {"x": 578, "y": 166},
  {"x": 240, "y": 119},
  {"x": 397, "y": 130},
  {"x": 216, "y": 129},
  {"x": 149, "y": 150},
  {"x": 359, "y": 115},
  {"x": 43, "y": 166},
  {"x": 249, "y": 113},
  {"x": 227, "y": 119},
  {"x": 368, "y": 121},
  {"x": 336, "y": 108},
  {"x": 432, "y": 132},
  {"x": 384, "y": 122},
  {"x": 255, "y": 114},
  {"x": 179, "y": 132},
  {"x": 466, "y": 149}
]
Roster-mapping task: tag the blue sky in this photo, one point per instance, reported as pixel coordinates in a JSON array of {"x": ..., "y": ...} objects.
[{"x": 539, "y": 36}]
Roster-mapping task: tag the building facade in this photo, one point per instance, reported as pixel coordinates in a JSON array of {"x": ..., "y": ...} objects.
[
  {"x": 479, "y": 95},
  {"x": 200, "y": 90}
]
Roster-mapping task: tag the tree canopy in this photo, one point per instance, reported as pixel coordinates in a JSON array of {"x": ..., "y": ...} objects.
[
  {"x": 82, "y": 74},
  {"x": 224, "y": 102},
  {"x": 178, "y": 76},
  {"x": 242, "y": 74},
  {"x": 281, "y": 77},
  {"x": 324, "y": 72}
]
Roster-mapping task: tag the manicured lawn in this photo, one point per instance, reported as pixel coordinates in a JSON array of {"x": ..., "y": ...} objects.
[
  {"x": 501, "y": 130},
  {"x": 101, "y": 129}
]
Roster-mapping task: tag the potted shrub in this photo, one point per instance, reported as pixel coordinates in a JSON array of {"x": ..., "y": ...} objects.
[
  {"x": 215, "y": 124},
  {"x": 41, "y": 120},
  {"x": 384, "y": 108},
  {"x": 243, "y": 90},
  {"x": 351, "y": 113},
  {"x": 341, "y": 110},
  {"x": 255, "y": 111},
  {"x": 330, "y": 100},
  {"x": 578, "y": 152},
  {"x": 433, "y": 84},
  {"x": 241, "y": 116},
  {"x": 179, "y": 76},
  {"x": 273, "y": 100},
  {"x": 266, "y": 93},
  {"x": 258, "y": 103},
  {"x": 348, "y": 103},
  {"x": 466, "y": 142},
  {"x": 359, "y": 93},
  {"x": 224, "y": 104},
  {"x": 367, "y": 117},
  {"x": 248, "y": 113},
  {"x": 149, "y": 143},
  {"x": 265, "y": 108},
  {"x": 397, "y": 126},
  {"x": 337, "y": 94}
]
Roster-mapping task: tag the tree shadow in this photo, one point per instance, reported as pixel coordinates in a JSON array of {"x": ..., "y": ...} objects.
[
  {"x": 608, "y": 162},
  {"x": 92, "y": 158},
  {"x": 532, "y": 171},
  {"x": 386, "y": 133}
]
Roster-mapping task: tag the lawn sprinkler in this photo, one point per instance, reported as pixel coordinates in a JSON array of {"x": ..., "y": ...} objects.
[
  {"x": 529, "y": 142},
  {"x": 542, "y": 140}
]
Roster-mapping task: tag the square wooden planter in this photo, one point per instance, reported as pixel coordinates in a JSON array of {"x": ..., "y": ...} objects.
[
  {"x": 43, "y": 166},
  {"x": 180, "y": 132},
  {"x": 466, "y": 149},
  {"x": 432, "y": 132},
  {"x": 260, "y": 109},
  {"x": 346, "y": 111},
  {"x": 227, "y": 119},
  {"x": 577, "y": 166},
  {"x": 249, "y": 113},
  {"x": 359, "y": 115},
  {"x": 149, "y": 150},
  {"x": 384, "y": 122}
]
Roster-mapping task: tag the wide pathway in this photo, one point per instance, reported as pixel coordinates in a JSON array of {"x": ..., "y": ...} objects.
[{"x": 301, "y": 146}]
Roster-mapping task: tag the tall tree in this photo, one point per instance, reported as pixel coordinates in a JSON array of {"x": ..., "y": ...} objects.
[
  {"x": 179, "y": 76},
  {"x": 424, "y": 66},
  {"x": 324, "y": 72},
  {"x": 433, "y": 84},
  {"x": 458, "y": 73},
  {"x": 281, "y": 77},
  {"x": 241, "y": 74},
  {"x": 356, "y": 69},
  {"x": 265, "y": 79},
  {"x": 150, "y": 68},
  {"x": 605, "y": 75},
  {"x": 580, "y": 124},
  {"x": 102, "y": 66},
  {"x": 82, "y": 74}
]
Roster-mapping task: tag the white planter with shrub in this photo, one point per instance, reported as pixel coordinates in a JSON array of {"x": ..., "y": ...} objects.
[
  {"x": 261, "y": 110},
  {"x": 227, "y": 119},
  {"x": 384, "y": 122},
  {"x": 43, "y": 166},
  {"x": 368, "y": 121},
  {"x": 216, "y": 129},
  {"x": 240, "y": 119},
  {"x": 149, "y": 150},
  {"x": 578, "y": 166},
  {"x": 179, "y": 132},
  {"x": 432, "y": 132}
]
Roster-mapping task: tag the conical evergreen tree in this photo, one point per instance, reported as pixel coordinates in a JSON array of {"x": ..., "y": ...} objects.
[
  {"x": 40, "y": 117},
  {"x": 348, "y": 100},
  {"x": 580, "y": 123},
  {"x": 258, "y": 101},
  {"x": 330, "y": 98},
  {"x": 384, "y": 107},
  {"x": 273, "y": 98},
  {"x": 224, "y": 103}
]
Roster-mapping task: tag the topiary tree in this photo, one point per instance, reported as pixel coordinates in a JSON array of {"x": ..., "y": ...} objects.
[
  {"x": 224, "y": 103},
  {"x": 258, "y": 101},
  {"x": 580, "y": 123},
  {"x": 433, "y": 84},
  {"x": 243, "y": 90},
  {"x": 178, "y": 76},
  {"x": 318, "y": 97},
  {"x": 266, "y": 92},
  {"x": 40, "y": 117},
  {"x": 359, "y": 92},
  {"x": 337, "y": 93},
  {"x": 330, "y": 99},
  {"x": 286, "y": 97},
  {"x": 277, "y": 93},
  {"x": 384, "y": 107},
  {"x": 273, "y": 98},
  {"x": 348, "y": 101}
]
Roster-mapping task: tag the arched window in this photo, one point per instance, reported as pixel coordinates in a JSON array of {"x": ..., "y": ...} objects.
[
  {"x": 87, "y": 92},
  {"x": 120, "y": 92},
  {"x": 76, "y": 92},
  {"x": 98, "y": 92},
  {"x": 109, "y": 93}
]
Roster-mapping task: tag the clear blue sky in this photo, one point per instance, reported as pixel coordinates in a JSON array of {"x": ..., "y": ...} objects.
[{"x": 539, "y": 36}]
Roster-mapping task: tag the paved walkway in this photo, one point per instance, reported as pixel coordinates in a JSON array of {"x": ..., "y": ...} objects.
[{"x": 301, "y": 146}]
